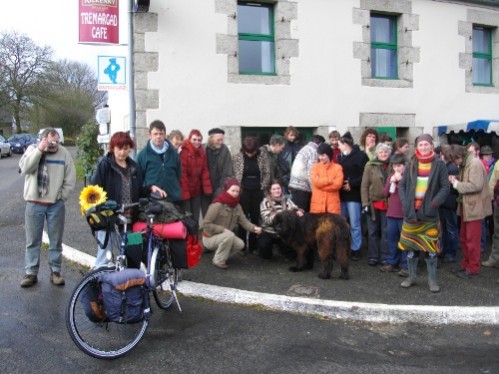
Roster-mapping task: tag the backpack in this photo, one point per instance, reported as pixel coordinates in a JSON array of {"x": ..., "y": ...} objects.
[
  {"x": 170, "y": 212},
  {"x": 102, "y": 217},
  {"x": 124, "y": 296},
  {"x": 91, "y": 300}
]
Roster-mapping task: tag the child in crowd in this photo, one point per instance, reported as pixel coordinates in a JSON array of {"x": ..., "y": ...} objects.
[{"x": 395, "y": 218}]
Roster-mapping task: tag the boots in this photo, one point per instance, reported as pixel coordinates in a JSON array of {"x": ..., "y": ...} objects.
[
  {"x": 412, "y": 265},
  {"x": 431, "y": 266}
]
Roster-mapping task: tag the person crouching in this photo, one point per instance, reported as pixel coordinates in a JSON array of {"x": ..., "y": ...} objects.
[{"x": 223, "y": 216}]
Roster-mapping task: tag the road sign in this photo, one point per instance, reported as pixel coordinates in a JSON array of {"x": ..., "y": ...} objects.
[{"x": 111, "y": 73}]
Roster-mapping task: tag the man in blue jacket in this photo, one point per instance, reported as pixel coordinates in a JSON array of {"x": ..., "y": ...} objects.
[{"x": 159, "y": 162}]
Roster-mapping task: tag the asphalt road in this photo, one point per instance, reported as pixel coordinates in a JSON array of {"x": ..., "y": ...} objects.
[{"x": 214, "y": 338}]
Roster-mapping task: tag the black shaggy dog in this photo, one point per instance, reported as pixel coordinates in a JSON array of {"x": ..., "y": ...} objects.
[{"x": 329, "y": 232}]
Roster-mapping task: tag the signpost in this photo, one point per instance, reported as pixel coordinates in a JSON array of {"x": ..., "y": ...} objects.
[
  {"x": 111, "y": 73},
  {"x": 99, "y": 21}
]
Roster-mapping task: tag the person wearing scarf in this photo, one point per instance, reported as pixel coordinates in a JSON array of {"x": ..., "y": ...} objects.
[
  {"x": 473, "y": 205},
  {"x": 49, "y": 177},
  {"x": 159, "y": 162},
  {"x": 374, "y": 204},
  {"x": 274, "y": 202},
  {"x": 423, "y": 189},
  {"x": 195, "y": 178},
  {"x": 223, "y": 217}
]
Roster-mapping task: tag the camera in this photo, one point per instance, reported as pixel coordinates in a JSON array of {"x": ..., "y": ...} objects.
[{"x": 52, "y": 144}]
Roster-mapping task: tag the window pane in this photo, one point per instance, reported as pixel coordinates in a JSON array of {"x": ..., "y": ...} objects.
[
  {"x": 253, "y": 19},
  {"x": 481, "y": 71},
  {"x": 256, "y": 56},
  {"x": 384, "y": 63},
  {"x": 481, "y": 38},
  {"x": 382, "y": 29}
]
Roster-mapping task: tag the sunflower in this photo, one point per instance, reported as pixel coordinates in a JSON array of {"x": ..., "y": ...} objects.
[{"x": 91, "y": 196}]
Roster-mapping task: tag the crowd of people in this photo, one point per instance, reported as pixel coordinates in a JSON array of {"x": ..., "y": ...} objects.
[{"x": 401, "y": 206}]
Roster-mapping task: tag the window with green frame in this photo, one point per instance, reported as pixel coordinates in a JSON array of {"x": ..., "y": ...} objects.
[
  {"x": 255, "y": 22},
  {"x": 384, "y": 46},
  {"x": 482, "y": 56}
]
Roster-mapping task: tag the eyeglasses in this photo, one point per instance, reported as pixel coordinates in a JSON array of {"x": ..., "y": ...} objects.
[{"x": 196, "y": 139}]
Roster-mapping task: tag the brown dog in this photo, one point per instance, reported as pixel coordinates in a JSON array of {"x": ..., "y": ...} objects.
[{"x": 329, "y": 232}]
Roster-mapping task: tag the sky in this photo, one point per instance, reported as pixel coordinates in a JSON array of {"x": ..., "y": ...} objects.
[{"x": 55, "y": 23}]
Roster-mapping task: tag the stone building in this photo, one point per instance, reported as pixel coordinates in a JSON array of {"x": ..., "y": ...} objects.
[{"x": 402, "y": 66}]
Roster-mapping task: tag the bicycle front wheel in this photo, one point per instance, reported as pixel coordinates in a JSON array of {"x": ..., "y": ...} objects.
[
  {"x": 165, "y": 277},
  {"x": 88, "y": 326}
]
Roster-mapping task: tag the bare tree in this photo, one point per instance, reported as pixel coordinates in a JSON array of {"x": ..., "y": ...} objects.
[
  {"x": 22, "y": 62},
  {"x": 70, "y": 97}
]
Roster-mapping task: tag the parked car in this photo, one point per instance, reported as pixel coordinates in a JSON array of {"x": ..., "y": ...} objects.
[
  {"x": 4, "y": 148},
  {"x": 20, "y": 142}
]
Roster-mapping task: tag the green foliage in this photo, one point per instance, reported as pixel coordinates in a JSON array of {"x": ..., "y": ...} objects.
[{"x": 88, "y": 149}]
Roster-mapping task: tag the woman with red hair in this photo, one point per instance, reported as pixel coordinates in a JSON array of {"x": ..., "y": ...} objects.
[
  {"x": 120, "y": 177},
  {"x": 195, "y": 177}
]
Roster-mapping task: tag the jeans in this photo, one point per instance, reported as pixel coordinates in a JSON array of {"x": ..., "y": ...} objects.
[
  {"x": 250, "y": 203},
  {"x": 114, "y": 242},
  {"x": 351, "y": 210},
  {"x": 377, "y": 248},
  {"x": 450, "y": 232},
  {"x": 34, "y": 218},
  {"x": 393, "y": 231},
  {"x": 301, "y": 199}
]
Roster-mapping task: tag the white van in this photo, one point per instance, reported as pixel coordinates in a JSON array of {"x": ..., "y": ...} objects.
[{"x": 58, "y": 129}]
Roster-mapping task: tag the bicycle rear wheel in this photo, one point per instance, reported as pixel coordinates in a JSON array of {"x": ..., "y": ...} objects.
[
  {"x": 92, "y": 334},
  {"x": 165, "y": 277}
]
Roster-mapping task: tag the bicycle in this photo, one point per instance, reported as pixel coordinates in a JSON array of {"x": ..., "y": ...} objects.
[{"x": 108, "y": 340}]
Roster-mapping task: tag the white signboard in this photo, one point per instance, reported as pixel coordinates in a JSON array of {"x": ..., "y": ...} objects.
[
  {"x": 103, "y": 115},
  {"x": 111, "y": 73}
]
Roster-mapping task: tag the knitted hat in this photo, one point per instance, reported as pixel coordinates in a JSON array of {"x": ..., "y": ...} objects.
[
  {"x": 229, "y": 182},
  {"x": 325, "y": 149},
  {"x": 424, "y": 137},
  {"x": 486, "y": 150},
  {"x": 216, "y": 130},
  {"x": 347, "y": 138}
]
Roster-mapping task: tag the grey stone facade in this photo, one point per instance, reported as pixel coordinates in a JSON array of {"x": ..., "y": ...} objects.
[
  {"x": 465, "y": 29},
  {"x": 407, "y": 54}
]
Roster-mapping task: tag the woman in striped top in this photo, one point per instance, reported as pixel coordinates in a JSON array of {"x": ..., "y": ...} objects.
[{"x": 423, "y": 188}]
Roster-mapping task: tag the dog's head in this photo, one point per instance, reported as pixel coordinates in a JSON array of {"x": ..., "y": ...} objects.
[{"x": 285, "y": 223}]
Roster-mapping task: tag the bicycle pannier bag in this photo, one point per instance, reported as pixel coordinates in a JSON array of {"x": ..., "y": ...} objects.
[
  {"x": 186, "y": 253},
  {"x": 134, "y": 249},
  {"x": 125, "y": 298},
  {"x": 91, "y": 300}
]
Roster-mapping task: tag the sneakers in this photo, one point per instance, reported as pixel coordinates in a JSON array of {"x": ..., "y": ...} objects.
[
  {"x": 29, "y": 280},
  {"x": 389, "y": 268},
  {"x": 404, "y": 273},
  {"x": 355, "y": 255},
  {"x": 57, "y": 279},
  {"x": 490, "y": 263},
  {"x": 221, "y": 265}
]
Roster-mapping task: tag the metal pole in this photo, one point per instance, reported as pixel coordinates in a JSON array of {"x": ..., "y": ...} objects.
[{"x": 131, "y": 76}]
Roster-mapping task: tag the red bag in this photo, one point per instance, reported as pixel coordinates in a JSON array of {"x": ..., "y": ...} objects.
[{"x": 194, "y": 251}]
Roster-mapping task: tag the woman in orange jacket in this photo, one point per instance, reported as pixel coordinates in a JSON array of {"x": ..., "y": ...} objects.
[{"x": 326, "y": 178}]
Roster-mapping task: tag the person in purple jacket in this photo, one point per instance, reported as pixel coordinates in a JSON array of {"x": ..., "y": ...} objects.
[{"x": 397, "y": 259}]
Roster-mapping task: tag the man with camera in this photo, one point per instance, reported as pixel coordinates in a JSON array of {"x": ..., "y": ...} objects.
[{"x": 49, "y": 177}]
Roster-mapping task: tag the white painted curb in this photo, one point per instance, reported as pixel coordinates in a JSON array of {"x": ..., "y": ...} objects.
[{"x": 356, "y": 311}]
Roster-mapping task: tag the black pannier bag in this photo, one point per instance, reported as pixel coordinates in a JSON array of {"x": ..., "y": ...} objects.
[
  {"x": 124, "y": 296},
  {"x": 92, "y": 303}
]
